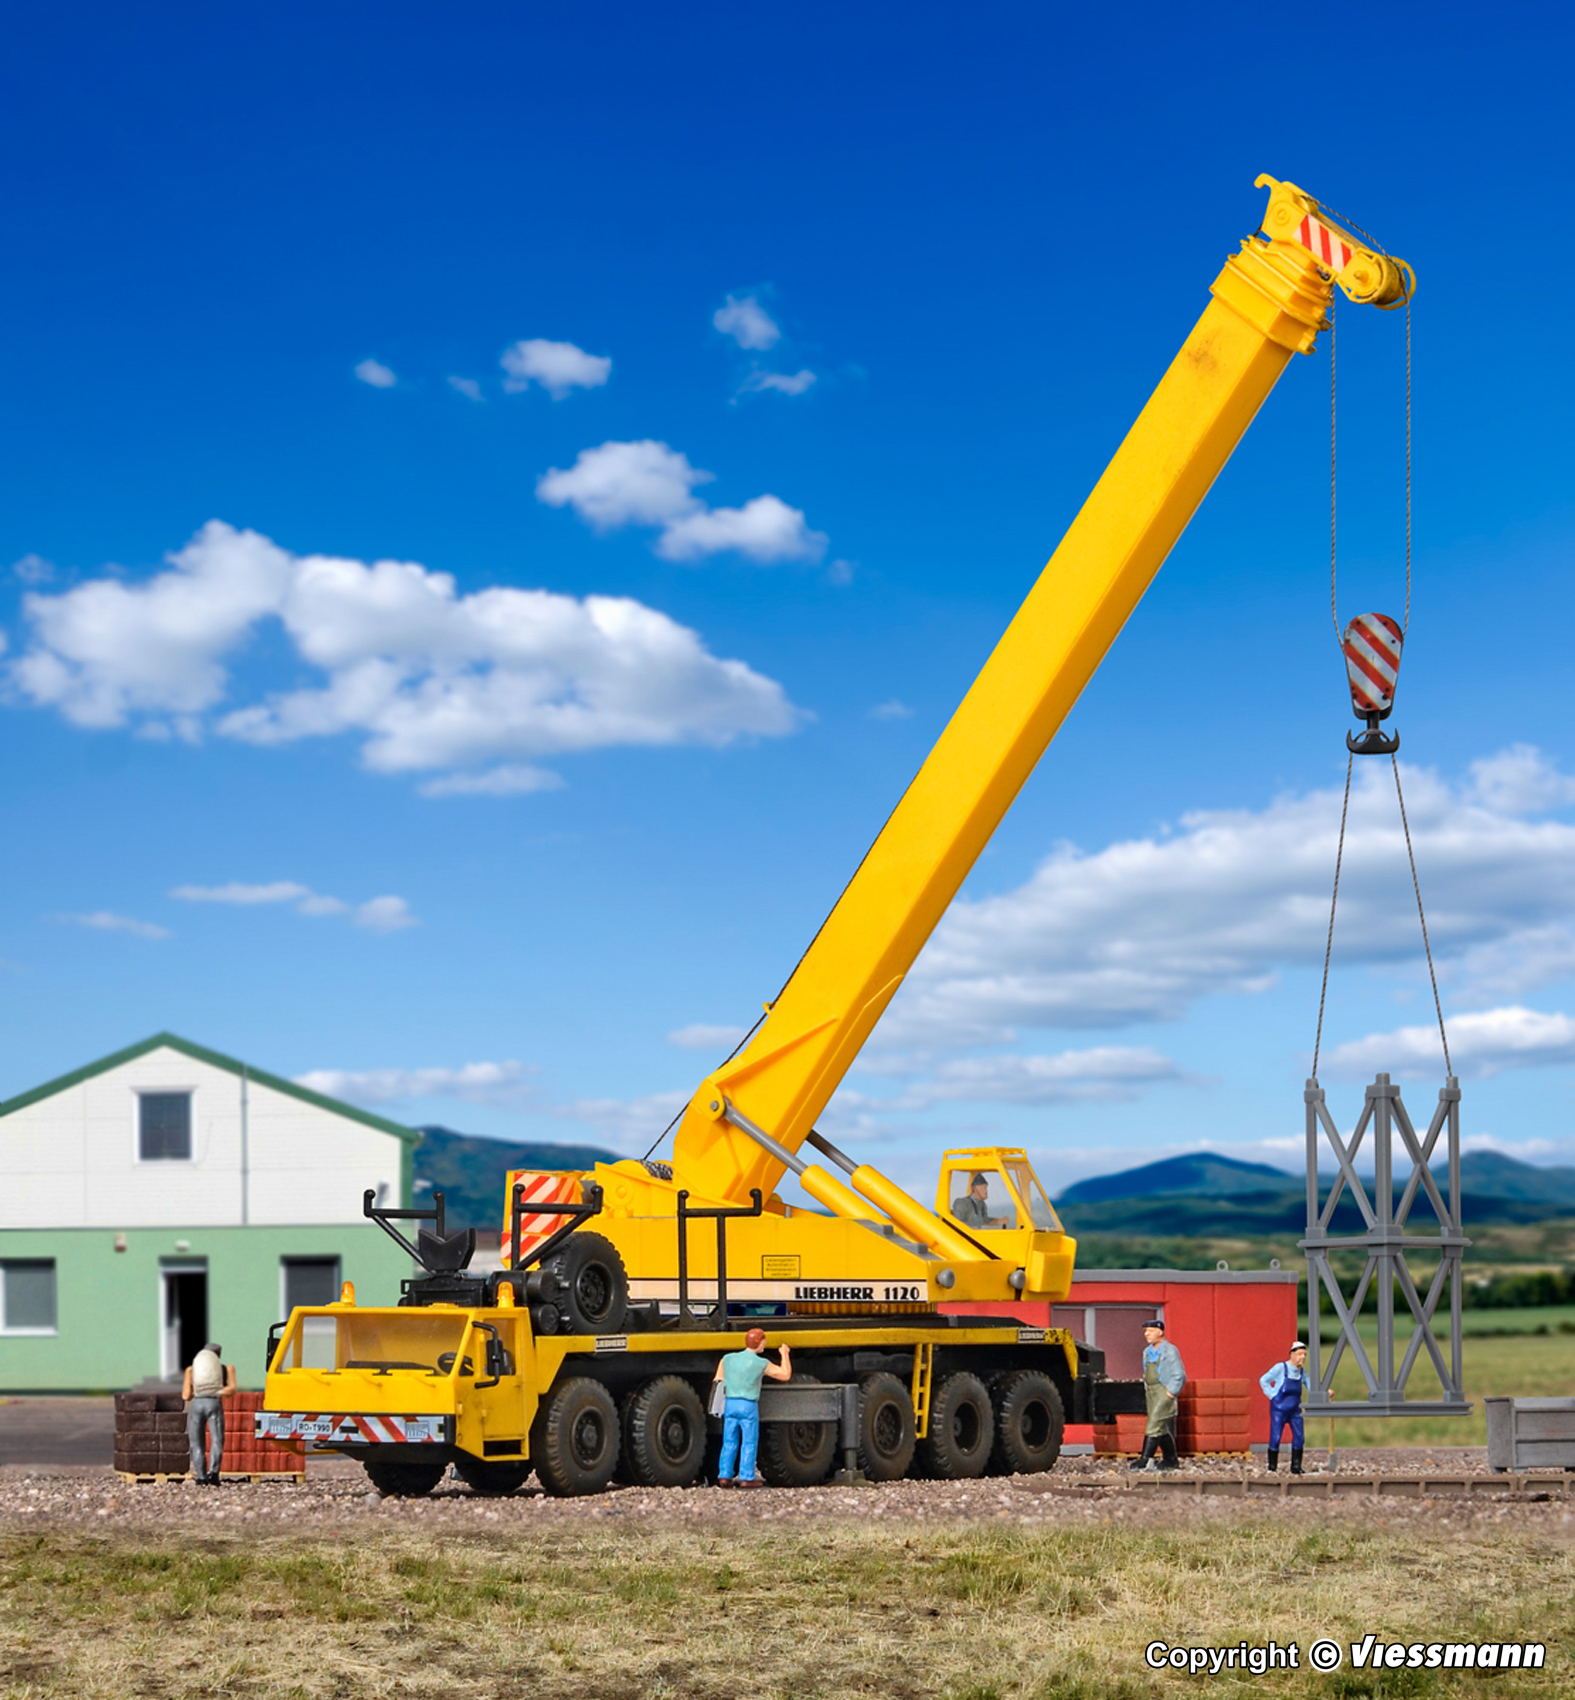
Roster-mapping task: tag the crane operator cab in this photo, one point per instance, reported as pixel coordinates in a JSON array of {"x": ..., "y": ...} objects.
[{"x": 993, "y": 1188}]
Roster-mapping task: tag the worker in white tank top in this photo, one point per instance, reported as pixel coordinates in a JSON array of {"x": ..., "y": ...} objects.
[{"x": 206, "y": 1381}]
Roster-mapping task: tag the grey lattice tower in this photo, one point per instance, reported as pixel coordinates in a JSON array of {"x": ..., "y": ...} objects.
[{"x": 1388, "y": 1245}]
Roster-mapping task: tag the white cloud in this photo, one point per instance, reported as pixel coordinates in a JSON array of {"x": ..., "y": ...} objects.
[
  {"x": 467, "y": 387},
  {"x": 640, "y": 483},
  {"x": 33, "y": 569},
  {"x": 648, "y": 483},
  {"x": 628, "y": 1123},
  {"x": 893, "y": 710},
  {"x": 375, "y": 373},
  {"x": 504, "y": 1084},
  {"x": 841, "y": 572},
  {"x": 385, "y": 915},
  {"x": 1102, "y": 1074},
  {"x": 783, "y": 383},
  {"x": 748, "y": 323},
  {"x": 1140, "y": 930},
  {"x": 430, "y": 680},
  {"x": 765, "y": 529},
  {"x": 1481, "y": 1043},
  {"x": 1520, "y": 781},
  {"x": 105, "y": 921},
  {"x": 278, "y": 891},
  {"x": 699, "y": 1037},
  {"x": 557, "y": 366},
  {"x": 513, "y": 779}
]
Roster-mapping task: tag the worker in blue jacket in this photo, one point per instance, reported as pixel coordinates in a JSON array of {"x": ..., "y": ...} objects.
[
  {"x": 1282, "y": 1383},
  {"x": 1164, "y": 1376}
]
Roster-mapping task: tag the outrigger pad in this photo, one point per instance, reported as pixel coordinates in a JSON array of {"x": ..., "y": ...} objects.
[{"x": 448, "y": 1253}]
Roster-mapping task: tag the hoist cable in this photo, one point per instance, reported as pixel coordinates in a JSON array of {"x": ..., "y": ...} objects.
[
  {"x": 1422, "y": 917},
  {"x": 1407, "y": 625},
  {"x": 1339, "y": 857},
  {"x": 1334, "y": 485},
  {"x": 685, "y": 1105}
]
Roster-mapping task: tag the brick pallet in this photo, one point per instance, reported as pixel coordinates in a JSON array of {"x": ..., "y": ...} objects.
[
  {"x": 150, "y": 1440},
  {"x": 1212, "y": 1421}
]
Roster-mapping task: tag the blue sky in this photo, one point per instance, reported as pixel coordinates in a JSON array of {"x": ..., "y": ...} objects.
[{"x": 712, "y": 388}]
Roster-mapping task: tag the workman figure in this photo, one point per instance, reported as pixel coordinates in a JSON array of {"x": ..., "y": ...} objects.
[
  {"x": 206, "y": 1382},
  {"x": 1164, "y": 1376},
  {"x": 741, "y": 1375},
  {"x": 1283, "y": 1383},
  {"x": 973, "y": 1208}
]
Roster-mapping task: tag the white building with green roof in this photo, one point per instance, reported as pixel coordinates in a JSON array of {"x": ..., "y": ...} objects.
[{"x": 168, "y": 1195}]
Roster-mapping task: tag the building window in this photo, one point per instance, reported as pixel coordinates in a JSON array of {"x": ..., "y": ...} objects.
[
  {"x": 309, "y": 1281},
  {"x": 164, "y": 1127},
  {"x": 27, "y": 1295}
]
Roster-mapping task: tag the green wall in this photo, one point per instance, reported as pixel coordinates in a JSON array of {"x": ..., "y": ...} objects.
[{"x": 107, "y": 1302}]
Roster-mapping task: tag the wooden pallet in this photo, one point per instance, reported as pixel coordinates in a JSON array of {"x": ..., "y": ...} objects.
[{"x": 162, "y": 1478}]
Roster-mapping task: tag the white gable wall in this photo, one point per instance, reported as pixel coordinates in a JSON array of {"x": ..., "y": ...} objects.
[{"x": 70, "y": 1160}]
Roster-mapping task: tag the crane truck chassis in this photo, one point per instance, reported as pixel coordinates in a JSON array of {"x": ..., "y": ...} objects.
[
  {"x": 457, "y": 1373},
  {"x": 549, "y": 1365}
]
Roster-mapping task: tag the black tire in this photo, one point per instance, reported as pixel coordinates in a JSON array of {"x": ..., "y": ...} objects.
[
  {"x": 664, "y": 1434},
  {"x": 797, "y": 1454},
  {"x": 622, "y": 1475},
  {"x": 962, "y": 1430},
  {"x": 491, "y": 1477},
  {"x": 595, "y": 1289},
  {"x": 412, "y": 1480},
  {"x": 574, "y": 1439},
  {"x": 886, "y": 1437},
  {"x": 1029, "y": 1420}
]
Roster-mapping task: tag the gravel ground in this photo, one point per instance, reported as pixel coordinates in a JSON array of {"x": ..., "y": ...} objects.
[{"x": 337, "y": 1495}]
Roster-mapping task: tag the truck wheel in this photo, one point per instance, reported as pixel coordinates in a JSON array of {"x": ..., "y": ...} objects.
[
  {"x": 574, "y": 1439},
  {"x": 595, "y": 1288},
  {"x": 886, "y": 1437},
  {"x": 962, "y": 1430},
  {"x": 664, "y": 1433},
  {"x": 1028, "y": 1424},
  {"x": 491, "y": 1477},
  {"x": 405, "y": 1480},
  {"x": 797, "y": 1454}
]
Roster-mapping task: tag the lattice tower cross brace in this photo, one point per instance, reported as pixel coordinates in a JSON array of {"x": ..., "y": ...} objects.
[{"x": 1387, "y": 1244}]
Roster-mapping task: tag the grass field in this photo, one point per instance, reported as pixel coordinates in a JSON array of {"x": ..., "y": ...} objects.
[
  {"x": 801, "y": 1612},
  {"x": 1520, "y": 1365}
]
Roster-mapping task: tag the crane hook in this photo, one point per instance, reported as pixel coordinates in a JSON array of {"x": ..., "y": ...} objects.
[{"x": 1371, "y": 644}]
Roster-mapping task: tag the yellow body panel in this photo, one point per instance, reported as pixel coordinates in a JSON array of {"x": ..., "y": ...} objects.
[
  {"x": 505, "y": 1412},
  {"x": 1269, "y": 301}
]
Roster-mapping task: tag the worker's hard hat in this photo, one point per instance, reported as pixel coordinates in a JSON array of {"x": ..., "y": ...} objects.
[{"x": 1298, "y": 1345}]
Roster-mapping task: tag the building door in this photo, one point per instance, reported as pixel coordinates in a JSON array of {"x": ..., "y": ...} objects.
[{"x": 184, "y": 1309}]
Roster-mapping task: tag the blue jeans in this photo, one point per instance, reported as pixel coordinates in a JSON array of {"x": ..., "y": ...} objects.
[
  {"x": 1281, "y": 1413},
  {"x": 740, "y": 1423},
  {"x": 205, "y": 1415}
]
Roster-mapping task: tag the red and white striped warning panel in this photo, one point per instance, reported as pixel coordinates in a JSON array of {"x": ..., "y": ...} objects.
[
  {"x": 1372, "y": 645},
  {"x": 1327, "y": 245},
  {"x": 378, "y": 1430},
  {"x": 544, "y": 1188}
]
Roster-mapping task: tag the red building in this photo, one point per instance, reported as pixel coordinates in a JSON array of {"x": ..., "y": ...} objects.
[{"x": 1226, "y": 1322}]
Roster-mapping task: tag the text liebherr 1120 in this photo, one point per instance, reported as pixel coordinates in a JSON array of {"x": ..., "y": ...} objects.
[{"x": 589, "y": 1354}]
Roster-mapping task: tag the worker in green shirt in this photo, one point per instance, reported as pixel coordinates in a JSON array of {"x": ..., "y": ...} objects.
[{"x": 741, "y": 1375}]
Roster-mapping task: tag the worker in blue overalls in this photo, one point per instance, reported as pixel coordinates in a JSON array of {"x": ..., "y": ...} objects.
[{"x": 1283, "y": 1384}]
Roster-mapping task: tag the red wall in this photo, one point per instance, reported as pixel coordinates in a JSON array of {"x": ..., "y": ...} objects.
[{"x": 1226, "y": 1327}]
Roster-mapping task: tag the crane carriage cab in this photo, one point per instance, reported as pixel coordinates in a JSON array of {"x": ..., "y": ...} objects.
[{"x": 993, "y": 1189}]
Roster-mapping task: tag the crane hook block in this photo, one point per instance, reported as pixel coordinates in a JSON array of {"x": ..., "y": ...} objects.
[{"x": 1372, "y": 645}]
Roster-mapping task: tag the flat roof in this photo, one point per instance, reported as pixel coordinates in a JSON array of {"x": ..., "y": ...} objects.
[{"x": 1182, "y": 1277}]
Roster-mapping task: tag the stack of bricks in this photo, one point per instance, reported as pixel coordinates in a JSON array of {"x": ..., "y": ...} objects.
[
  {"x": 1214, "y": 1416},
  {"x": 150, "y": 1434},
  {"x": 150, "y": 1438},
  {"x": 246, "y": 1455},
  {"x": 1124, "y": 1435}
]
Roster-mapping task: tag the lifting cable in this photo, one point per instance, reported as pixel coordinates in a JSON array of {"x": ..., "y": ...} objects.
[{"x": 1375, "y": 743}]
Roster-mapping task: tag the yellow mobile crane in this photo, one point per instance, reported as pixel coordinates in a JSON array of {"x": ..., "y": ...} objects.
[{"x": 629, "y": 1309}]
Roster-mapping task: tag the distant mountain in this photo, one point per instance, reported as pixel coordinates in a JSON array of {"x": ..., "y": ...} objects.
[
  {"x": 469, "y": 1171},
  {"x": 1207, "y": 1194},
  {"x": 1204, "y": 1174}
]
